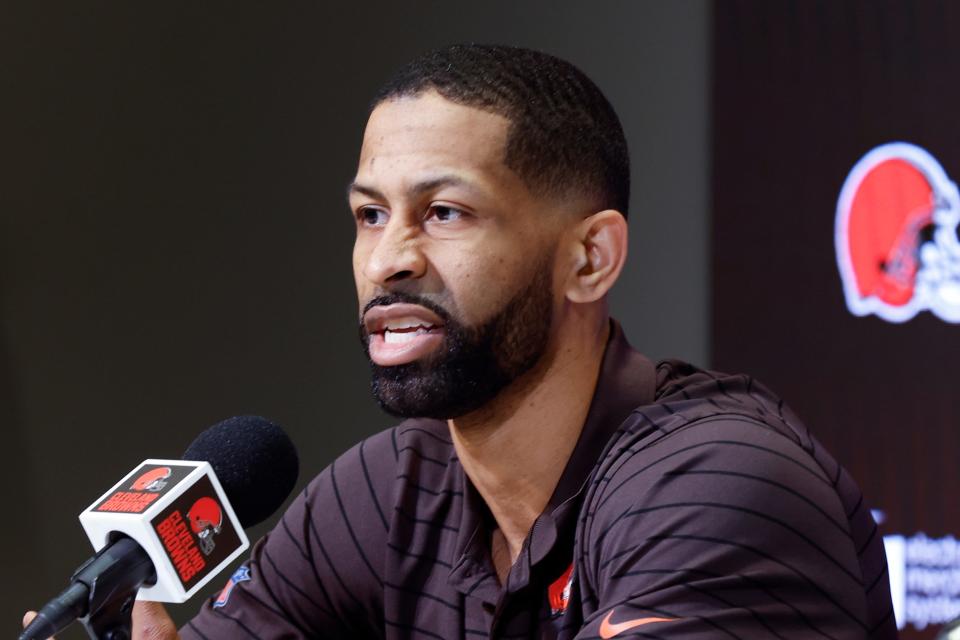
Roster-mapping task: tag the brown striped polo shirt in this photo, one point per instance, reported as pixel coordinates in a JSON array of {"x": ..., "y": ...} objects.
[{"x": 695, "y": 505}]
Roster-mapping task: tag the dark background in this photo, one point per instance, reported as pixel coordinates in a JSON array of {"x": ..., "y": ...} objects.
[
  {"x": 175, "y": 243},
  {"x": 836, "y": 80},
  {"x": 801, "y": 91}
]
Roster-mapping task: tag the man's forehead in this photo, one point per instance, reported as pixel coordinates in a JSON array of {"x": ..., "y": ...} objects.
[
  {"x": 429, "y": 129},
  {"x": 430, "y": 122}
]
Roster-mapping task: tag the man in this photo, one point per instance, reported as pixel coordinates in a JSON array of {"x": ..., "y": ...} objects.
[{"x": 548, "y": 481}]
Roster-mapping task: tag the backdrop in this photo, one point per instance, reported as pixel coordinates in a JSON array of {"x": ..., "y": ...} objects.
[
  {"x": 836, "y": 263},
  {"x": 175, "y": 242}
]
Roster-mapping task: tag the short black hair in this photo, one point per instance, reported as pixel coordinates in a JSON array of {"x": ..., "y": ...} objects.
[{"x": 564, "y": 136}]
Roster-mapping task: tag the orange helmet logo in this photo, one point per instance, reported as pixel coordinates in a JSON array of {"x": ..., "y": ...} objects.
[
  {"x": 153, "y": 480},
  {"x": 206, "y": 519},
  {"x": 896, "y": 236}
]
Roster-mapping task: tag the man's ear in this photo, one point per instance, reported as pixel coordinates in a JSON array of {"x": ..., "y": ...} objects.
[{"x": 599, "y": 246}]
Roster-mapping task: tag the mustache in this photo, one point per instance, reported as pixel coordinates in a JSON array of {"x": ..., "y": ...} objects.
[{"x": 399, "y": 297}]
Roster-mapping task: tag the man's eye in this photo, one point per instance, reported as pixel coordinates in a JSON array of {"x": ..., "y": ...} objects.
[
  {"x": 372, "y": 217},
  {"x": 444, "y": 213}
]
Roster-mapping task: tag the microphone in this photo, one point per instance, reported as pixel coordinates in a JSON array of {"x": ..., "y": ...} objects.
[{"x": 169, "y": 526}]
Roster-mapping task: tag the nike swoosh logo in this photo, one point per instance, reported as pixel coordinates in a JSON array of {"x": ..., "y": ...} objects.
[{"x": 609, "y": 629}]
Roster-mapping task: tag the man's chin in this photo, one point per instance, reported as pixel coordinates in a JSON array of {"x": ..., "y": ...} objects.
[{"x": 426, "y": 396}]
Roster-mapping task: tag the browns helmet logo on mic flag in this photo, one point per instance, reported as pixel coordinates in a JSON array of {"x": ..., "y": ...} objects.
[
  {"x": 196, "y": 532},
  {"x": 896, "y": 236},
  {"x": 153, "y": 480},
  {"x": 206, "y": 518}
]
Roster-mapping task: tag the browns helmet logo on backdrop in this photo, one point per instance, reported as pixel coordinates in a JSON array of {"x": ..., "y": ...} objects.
[{"x": 896, "y": 236}]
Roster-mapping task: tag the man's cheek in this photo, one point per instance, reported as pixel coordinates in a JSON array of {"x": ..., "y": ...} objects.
[
  {"x": 360, "y": 257},
  {"x": 482, "y": 299}
]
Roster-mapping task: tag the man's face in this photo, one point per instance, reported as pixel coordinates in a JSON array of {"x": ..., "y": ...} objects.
[{"x": 453, "y": 258}]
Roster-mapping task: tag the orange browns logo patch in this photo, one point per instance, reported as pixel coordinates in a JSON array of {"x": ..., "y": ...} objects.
[{"x": 559, "y": 592}]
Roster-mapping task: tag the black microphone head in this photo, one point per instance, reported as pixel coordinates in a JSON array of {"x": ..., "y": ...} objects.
[{"x": 255, "y": 462}]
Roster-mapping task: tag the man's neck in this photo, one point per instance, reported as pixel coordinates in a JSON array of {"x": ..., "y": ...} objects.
[{"x": 515, "y": 449}]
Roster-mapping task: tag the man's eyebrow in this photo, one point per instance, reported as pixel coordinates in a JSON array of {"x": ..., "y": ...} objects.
[
  {"x": 435, "y": 183},
  {"x": 416, "y": 189},
  {"x": 370, "y": 192}
]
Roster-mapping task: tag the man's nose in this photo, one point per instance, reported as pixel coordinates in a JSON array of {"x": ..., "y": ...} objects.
[{"x": 397, "y": 255}]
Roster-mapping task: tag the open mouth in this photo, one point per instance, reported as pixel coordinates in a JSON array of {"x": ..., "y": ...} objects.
[
  {"x": 404, "y": 330},
  {"x": 402, "y": 333}
]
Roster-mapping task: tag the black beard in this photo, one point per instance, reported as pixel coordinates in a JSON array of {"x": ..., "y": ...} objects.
[{"x": 474, "y": 363}]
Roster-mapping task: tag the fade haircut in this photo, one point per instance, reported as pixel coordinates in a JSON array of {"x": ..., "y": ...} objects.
[{"x": 564, "y": 138}]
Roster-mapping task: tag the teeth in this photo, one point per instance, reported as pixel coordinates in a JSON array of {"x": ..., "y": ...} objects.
[
  {"x": 406, "y": 323},
  {"x": 391, "y": 337},
  {"x": 399, "y": 337}
]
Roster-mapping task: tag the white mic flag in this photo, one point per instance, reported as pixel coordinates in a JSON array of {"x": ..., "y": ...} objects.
[{"x": 178, "y": 512}]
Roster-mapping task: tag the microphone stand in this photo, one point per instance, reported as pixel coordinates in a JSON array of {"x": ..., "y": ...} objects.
[{"x": 101, "y": 594}]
